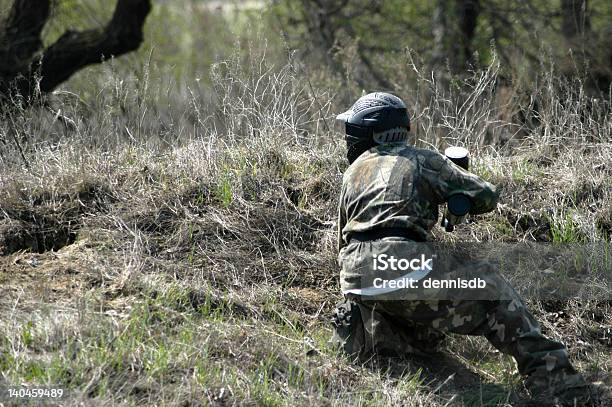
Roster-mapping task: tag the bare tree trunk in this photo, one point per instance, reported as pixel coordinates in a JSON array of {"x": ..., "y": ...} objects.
[
  {"x": 440, "y": 33},
  {"x": 19, "y": 43},
  {"x": 25, "y": 69},
  {"x": 21, "y": 37},
  {"x": 467, "y": 12},
  {"x": 321, "y": 27},
  {"x": 592, "y": 63},
  {"x": 575, "y": 18},
  {"x": 454, "y": 25}
]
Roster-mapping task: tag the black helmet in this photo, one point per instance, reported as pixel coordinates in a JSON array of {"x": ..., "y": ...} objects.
[{"x": 376, "y": 118}]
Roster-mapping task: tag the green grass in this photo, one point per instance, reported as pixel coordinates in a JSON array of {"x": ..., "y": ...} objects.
[
  {"x": 525, "y": 170},
  {"x": 564, "y": 229},
  {"x": 224, "y": 190}
]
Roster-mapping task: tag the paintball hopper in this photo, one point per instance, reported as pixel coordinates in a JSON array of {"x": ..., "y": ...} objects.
[
  {"x": 459, "y": 156},
  {"x": 458, "y": 205}
]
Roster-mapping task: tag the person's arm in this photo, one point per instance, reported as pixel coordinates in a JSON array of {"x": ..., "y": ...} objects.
[
  {"x": 341, "y": 221},
  {"x": 447, "y": 179}
]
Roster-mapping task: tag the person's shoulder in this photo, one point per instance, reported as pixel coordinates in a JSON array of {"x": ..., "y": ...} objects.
[
  {"x": 398, "y": 150},
  {"x": 369, "y": 163},
  {"x": 360, "y": 165},
  {"x": 429, "y": 158}
]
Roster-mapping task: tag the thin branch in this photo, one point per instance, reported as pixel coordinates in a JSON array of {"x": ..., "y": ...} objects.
[{"x": 13, "y": 133}]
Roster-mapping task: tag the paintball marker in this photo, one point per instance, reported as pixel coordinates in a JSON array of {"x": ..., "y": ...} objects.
[{"x": 458, "y": 205}]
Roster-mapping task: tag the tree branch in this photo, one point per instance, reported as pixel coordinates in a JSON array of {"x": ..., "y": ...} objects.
[{"x": 75, "y": 50}]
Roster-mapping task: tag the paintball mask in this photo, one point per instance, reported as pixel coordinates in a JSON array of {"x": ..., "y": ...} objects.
[{"x": 376, "y": 118}]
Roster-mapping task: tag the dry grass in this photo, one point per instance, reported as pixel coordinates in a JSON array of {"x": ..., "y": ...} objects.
[{"x": 186, "y": 255}]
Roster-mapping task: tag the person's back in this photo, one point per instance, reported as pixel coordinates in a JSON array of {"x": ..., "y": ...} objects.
[
  {"x": 396, "y": 185},
  {"x": 389, "y": 201},
  {"x": 400, "y": 187}
]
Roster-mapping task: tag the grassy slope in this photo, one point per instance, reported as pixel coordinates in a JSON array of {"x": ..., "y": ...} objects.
[{"x": 204, "y": 271}]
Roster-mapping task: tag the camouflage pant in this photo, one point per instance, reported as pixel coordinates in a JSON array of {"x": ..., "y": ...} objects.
[
  {"x": 392, "y": 328},
  {"x": 364, "y": 327}
]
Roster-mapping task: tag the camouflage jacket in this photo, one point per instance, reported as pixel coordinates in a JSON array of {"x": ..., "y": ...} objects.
[{"x": 396, "y": 185}]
